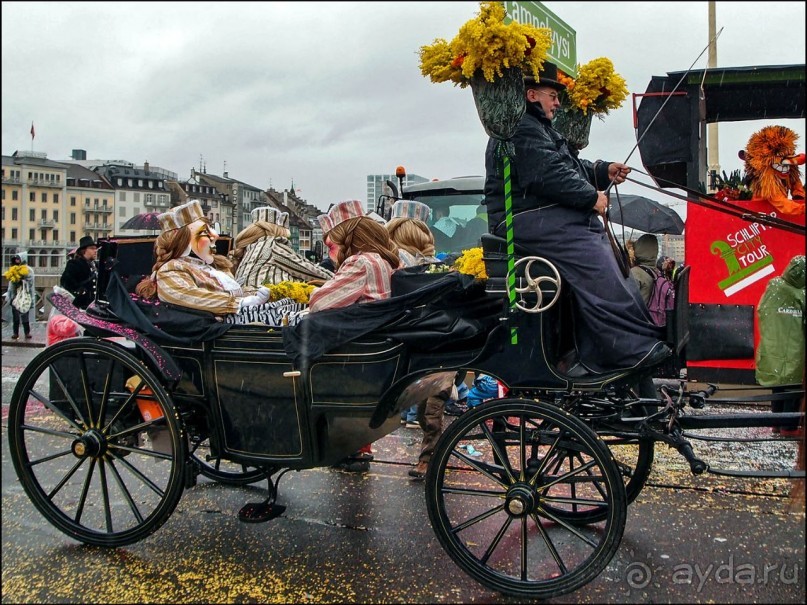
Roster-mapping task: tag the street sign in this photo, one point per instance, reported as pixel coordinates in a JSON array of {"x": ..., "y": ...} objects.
[{"x": 564, "y": 39}]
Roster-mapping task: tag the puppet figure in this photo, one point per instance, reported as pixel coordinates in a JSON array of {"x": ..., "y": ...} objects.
[
  {"x": 772, "y": 169},
  {"x": 189, "y": 273}
]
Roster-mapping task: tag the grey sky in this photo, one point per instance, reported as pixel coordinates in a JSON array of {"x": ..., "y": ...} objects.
[{"x": 326, "y": 93}]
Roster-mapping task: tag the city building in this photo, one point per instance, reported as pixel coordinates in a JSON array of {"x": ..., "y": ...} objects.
[
  {"x": 47, "y": 206},
  {"x": 216, "y": 205},
  {"x": 138, "y": 189},
  {"x": 306, "y": 234}
]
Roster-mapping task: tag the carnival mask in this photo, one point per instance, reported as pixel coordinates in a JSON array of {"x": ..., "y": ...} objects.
[{"x": 203, "y": 239}]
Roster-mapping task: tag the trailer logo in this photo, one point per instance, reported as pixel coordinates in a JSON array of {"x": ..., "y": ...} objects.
[{"x": 746, "y": 256}]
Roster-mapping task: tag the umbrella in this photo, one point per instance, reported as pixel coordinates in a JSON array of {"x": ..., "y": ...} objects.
[
  {"x": 644, "y": 214},
  {"x": 144, "y": 220}
]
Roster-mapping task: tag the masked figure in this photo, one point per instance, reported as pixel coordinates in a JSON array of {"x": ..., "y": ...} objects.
[{"x": 189, "y": 273}]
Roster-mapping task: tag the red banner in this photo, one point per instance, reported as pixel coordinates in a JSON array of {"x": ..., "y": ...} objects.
[{"x": 733, "y": 260}]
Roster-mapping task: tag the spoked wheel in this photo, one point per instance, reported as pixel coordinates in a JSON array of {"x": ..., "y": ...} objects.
[
  {"x": 223, "y": 471},
  {"x": 102, "y": 461},
  {"x": 633, "y": 455},
  {"x": 501, "y": 485}
]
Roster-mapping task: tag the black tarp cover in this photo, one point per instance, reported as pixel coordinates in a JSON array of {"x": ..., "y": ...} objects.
[
  {"x": 415, "y": 314},
  {"x": 165, "y": 323}
]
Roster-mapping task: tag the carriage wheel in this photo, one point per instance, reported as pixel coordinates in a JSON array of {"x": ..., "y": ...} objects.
[
  {"x": 223, "y": 471},
  {"x": 499, "y": 485},
  {"x": 633, "y": 455},
  {"x": 102, "y": 464}
]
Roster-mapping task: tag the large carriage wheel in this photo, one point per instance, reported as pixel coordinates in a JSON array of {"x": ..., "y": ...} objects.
[
  {"x": 220, "y": 470},
  {"x": 103, "y": 462},
  {"x": 499, "y": 486}
]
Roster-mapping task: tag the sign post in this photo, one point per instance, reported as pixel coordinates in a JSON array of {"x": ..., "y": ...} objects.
[{"x": 564, "y": 39}]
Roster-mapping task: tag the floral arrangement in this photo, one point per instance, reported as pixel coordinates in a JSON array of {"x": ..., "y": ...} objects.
[
  {"x": 16, "y": 273},
  {"x": 597, "y": 88},
  {"x": 298, "y": 291},
  {"x": 471, "y": 263},
  {"x": 485, "y": 44},
  {"x": 732, "y": 187}
]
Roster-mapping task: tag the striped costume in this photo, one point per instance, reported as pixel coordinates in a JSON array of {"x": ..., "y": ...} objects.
[
  {"x": 189, "y": 282},
  {"x": 362, "y": 277},
  {"x": 271, "y": 260}
]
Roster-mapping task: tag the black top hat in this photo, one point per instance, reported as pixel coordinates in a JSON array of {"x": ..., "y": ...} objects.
[
  {"x": 548, "y": 76},
  {"x": 85, "y": 242}
]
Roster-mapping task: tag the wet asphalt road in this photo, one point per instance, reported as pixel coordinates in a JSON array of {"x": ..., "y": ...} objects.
[{"x": 366, "y": 538}]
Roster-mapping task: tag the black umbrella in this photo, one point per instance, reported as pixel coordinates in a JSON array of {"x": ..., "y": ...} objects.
[
  {"x": 144, "y": 220},
  {"x": 644, "y": 214}
]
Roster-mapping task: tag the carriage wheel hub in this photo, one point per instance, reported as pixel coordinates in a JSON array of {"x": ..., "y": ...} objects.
[
  {"x": 520, "y": 500},
  {"x": 90, "y": 444}
]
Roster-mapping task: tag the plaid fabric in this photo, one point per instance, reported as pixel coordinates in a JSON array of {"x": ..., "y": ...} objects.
[
  {"x": 273, "y": 260},
  {"x": 181, "y": 215},
  {"x": 361, "y": 278},
  {"x": 411, "y": 209},
  {"x": 339, "y": 213},
  {"x": 267, "y": 214}
]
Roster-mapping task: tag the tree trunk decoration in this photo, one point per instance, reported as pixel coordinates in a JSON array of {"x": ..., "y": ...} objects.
[
  {"x": 501, "y": 103},
  {"x": 574, "y": 125}
]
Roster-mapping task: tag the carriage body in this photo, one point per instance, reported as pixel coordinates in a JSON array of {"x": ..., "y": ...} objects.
[{"x": 107, "y": 430}]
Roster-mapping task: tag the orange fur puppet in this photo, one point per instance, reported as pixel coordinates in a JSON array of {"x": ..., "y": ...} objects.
[{"x": 772, "y": 169}]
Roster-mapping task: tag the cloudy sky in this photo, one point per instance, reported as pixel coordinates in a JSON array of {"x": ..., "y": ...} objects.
[{"x": 325, "y": 93}]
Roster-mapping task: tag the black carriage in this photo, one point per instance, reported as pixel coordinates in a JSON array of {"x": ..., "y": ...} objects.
[{"x": 527, "y": 493}]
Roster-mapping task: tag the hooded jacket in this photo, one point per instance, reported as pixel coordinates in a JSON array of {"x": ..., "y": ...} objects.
[
  {"x": 780, "y": 353},
  {"x": 544, "y": 171},
  {"x": 646, "y": 251}
]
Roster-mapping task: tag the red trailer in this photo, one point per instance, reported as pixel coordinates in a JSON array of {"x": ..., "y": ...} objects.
[{"x": 734, "y": 250}]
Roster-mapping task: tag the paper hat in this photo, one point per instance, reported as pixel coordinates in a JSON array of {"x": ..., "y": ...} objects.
[
  {"x": 267, "y": 214},
  {"x": 411, "y": 209},
  {"x": 181, "y": 215},
  {"x": 548, "y": 76},
  {"x": 339, "y": 213}
]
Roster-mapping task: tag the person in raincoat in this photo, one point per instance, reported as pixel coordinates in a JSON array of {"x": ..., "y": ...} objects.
[
  {"x": 780, "y": 353},
  {"x": 21, "y": 282}
]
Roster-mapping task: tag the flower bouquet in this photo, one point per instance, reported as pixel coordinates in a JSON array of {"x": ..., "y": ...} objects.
[
  {"x": 491, "y": 58},
  {"x": 471, "y": 263},
  {"x": 16, "y": 273},
  {"x": 732, "y": 188},
  {"x": 298, "y": 291},
  {"x": 596, "y": 90}
]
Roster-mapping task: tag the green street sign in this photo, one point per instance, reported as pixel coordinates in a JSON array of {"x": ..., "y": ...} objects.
[{"x": 564, "y": 41}]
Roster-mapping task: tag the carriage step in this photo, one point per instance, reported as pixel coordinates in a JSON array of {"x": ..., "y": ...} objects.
[
  {"x": 258, "y": 512},
  {"x": 727, "y": 472}
]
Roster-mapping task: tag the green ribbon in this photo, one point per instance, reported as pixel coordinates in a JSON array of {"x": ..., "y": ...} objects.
[{"x": 511, "y": 249}]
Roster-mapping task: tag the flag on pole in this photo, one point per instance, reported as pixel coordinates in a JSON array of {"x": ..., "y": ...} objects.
[{"x": 33, "y": 133}]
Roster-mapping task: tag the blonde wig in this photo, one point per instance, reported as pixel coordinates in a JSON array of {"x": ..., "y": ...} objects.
[{"x": 412, "y": 235}]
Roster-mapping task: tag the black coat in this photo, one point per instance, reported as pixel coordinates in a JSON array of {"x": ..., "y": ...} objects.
[
  {"x": 543, "y": 171},
  {"x": 80, "y": 278}
]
